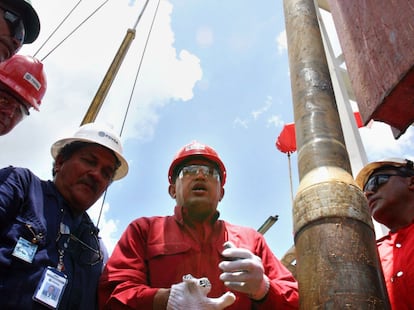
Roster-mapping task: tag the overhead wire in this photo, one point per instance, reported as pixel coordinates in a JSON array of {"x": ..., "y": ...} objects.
[
  {"x": 139, "y": 66},
  {"x": 57, "y": 28},
  {"x": 75, "y": 29},
  {"x": 133, "y": 86}
]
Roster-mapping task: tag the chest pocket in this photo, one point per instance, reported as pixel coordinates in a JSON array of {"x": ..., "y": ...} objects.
[{"x": 168, "y": 262}]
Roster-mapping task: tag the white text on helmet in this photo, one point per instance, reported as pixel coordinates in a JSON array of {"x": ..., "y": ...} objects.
[
  {"x": 32, "y": 80},
  {"x": 195, "y": 146},
  {"x": 105, "y": 135}
]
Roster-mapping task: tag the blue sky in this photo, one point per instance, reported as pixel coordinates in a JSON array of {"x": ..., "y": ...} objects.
[{"x": 213, "y": 71}]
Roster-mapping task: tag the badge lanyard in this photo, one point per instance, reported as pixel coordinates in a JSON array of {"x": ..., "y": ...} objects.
[
  {"x": 50, "y": 289},
  {"x": 63, "y": 230}
]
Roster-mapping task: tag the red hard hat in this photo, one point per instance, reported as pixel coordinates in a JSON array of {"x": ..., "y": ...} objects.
[
  {"x": 197, "y": 149},
  {"x": 24, "y": 75}
]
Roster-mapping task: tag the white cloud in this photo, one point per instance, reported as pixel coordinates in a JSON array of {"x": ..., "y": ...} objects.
[
  {"x": 379, "y": 142},
  {"x": 275, "y": 121},
  {"x": 263, "y": 109},
  {"x": 75, "y": 70},
  {"x": 256, "y": 114},
  {"x": 281, "y": 41}
]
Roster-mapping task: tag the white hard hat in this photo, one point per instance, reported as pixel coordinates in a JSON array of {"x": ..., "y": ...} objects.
[
  {"x": 365, "y": 172},
  {"x": 100, "y": 134}
]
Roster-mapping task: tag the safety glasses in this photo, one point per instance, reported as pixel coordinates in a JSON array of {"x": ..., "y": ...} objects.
[
  {"x": 193, "y": 170},
  {"x": 375, "y": 181},
  {"x": 16, "y": 25}
]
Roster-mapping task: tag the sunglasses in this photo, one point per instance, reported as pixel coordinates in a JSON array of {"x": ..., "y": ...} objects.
[
  {"x": 193, "y": 170},
  {"x": 375, "y": 181},
  {"x": 16, "y": 26}
]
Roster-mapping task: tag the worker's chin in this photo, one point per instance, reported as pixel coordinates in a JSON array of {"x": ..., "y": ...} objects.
[
  {"x": 5, "y": 51},
  {"x": 4, "y": 129}
]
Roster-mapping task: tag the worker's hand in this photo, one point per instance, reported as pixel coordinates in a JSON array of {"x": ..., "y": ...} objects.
[
  {"x": 243, "y": 272},
  {"x": 192, "y": 294}
]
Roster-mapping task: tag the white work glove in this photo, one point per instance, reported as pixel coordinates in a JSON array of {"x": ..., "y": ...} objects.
[
  {"x": 192, "y": 294},
  {"x": 243, "y": 272}
]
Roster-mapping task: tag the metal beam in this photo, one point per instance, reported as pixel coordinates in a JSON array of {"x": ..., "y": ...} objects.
[{"x": 267, "y": 224}]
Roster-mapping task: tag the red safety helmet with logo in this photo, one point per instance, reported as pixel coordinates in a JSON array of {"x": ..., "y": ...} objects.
[
  {"x": 196, "y": 149},
  {"x": 24, "y": 75}
]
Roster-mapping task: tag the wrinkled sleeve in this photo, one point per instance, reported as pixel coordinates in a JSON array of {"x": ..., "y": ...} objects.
[
  {"x": 123, "y": 283},
  {"x": 283, "y": 290},
  {"x": 12, "y": 192}
]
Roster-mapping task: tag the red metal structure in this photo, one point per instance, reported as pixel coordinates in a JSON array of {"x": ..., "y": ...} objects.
[{"x": 377, "y": 40}]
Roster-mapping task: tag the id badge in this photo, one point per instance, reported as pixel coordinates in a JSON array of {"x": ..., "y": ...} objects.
[
  {"x": 50, "y": 290},
  {"x": 25, "y": 250}
]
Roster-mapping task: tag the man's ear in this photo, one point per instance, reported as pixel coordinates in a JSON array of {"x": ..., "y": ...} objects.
[
  {"x": 171, "y": 190},
  {"x": 411, "y": 184},
  {"x": 222, "y": 193},
  {"x": 58, "y": 163}
]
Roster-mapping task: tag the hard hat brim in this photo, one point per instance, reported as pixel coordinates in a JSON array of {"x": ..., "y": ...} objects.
[
  {"x": 365, "y": 172},
  {"x": 119, "y": 173},
  {"x": 29, "y": 17},
  {"x": 22, "y": 95}
]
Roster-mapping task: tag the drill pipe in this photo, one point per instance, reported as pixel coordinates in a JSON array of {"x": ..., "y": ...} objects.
[{"x": 337, "y": 261}]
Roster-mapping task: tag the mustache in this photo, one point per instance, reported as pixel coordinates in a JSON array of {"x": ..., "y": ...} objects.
[{"x": 89, "y": 182}]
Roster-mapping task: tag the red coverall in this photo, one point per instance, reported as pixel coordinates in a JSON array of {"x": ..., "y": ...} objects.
[
  {"x": 396, "y": 251},
  {"x": 156, "y": 252}
]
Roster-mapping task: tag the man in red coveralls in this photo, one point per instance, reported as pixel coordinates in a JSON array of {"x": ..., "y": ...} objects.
[
  {"x": 389, "y": 187},
  {"x": 193, "y": 260}
]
